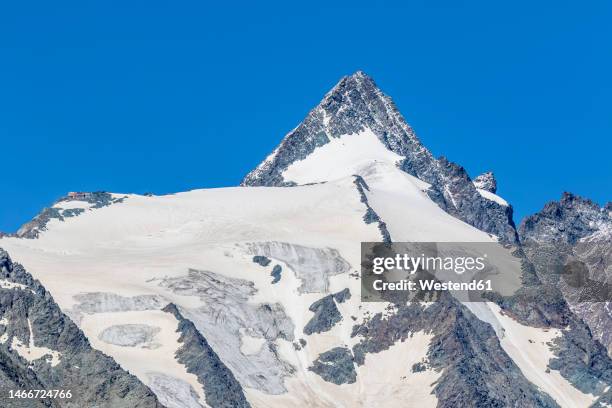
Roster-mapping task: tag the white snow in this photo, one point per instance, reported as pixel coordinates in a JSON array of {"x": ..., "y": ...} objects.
[
  {"x": 341, "y": 157},
  {"x": 492, "y": 197},
  {"x": 73, "y": 204},
  {"x": 31, "y": 352},
  {"x": 127, "y": 249},
  {"x": 385, "y": 380},
  {"x": 145, "y": 239},
  {"x": 529, "y": 349},
  {"x": 386, "y": 383},
  {"x": 143, "y": 361},
  {"x": 6, "y": 284},
  {"x": 250, "y": 344}
]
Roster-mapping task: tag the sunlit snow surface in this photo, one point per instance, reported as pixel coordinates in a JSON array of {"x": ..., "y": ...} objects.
[
  {"x": 117, "y": 267},
  {"x": 493, "y": 197},
  {"x": 531, "y": 350}
]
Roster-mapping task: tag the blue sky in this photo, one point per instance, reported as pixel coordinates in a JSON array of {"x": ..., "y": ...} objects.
[{"x": 168, "y": 96}]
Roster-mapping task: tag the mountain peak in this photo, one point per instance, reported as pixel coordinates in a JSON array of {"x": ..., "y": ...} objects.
[
  {"x": 571, "y": 218},
  {"x": 355, "y": 104},
  {"x": 353, "y": 87},
  {"x": 358, "y": 80},
  {"x": 356, "y": 126}
]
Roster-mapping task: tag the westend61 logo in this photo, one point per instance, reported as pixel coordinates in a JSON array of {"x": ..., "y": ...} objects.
[{"x": 474, "y": 272}]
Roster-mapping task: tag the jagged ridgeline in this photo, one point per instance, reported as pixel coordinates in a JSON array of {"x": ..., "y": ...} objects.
[
  {"x": 250, "y": 296},
  {"x": 576, "y": 231},
  {"x": 355, "y": 105}
]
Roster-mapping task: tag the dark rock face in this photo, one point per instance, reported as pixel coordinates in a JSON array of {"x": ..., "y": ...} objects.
[
  {"x": 221, "y": 387},
  {"x": 335, "y": 366},
  {"x": 455, "y": 192},
  {"x": 326, "y": 313},
  {"x": 353, "y": 105},
  {"x": 575, "y": 230},
  {"x": 565, "y": 221},
  {"x": 476, "y": 372},
  {"x": 31, "y": 317},
  {"x": 543, "y": 302},
  {"x": 486, "y": 181},
  {"x": 370, "y": 215},
  {"x": 261, "y": 260},
  {"x": 276, "y": 273},
  {"x": 343, "y": 295},
  {"x": 581, "y": 360},
  {"x": 97, "y": 199}
]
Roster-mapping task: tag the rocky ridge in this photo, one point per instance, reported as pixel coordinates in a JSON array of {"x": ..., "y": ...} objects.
[
  {"x": 356, "y": 104},
  {"x": 575, "y": 231}
]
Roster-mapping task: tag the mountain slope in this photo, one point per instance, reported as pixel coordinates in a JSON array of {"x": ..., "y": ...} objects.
[
  {"x": 250, "y": 295},
  {"x": 579, "y": 232},
  {"x": 354, "y": 107},
  {"x": 40, "y": 348},
  {"x": 195, "y": 250}
]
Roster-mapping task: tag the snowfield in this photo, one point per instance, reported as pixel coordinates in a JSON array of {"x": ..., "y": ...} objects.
[{"x": 118, "y": 266}]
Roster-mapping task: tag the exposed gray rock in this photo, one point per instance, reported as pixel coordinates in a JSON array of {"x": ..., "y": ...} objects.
[
  {"x": 276, "y": 273},
  {"x": 486, "y": 181},
  {"x": 130, "y": 335},
  {"x": 565, "y": 221},
  {"x": 371, "y": 216},
  {"x": 584, "y": 362},
  {"x": 579, "y": 356},
  {"x": 33, "y": 317},
  {"x": 261, "y": 260},
  {"x": 98, "y": 199},
  {"x": 343, "y": 295},
  {"x": 335, "y": 366},
  {"x": 353, "y": 105},
  {"x": 475, "y": 370},
  {"x": 326, "y": 313},
  {"x": 221, "y": 388},
  {"x": 228, "y": 311},
  {"x": 457, "y": 195},
  {"x": 575, "y": 230},
  {"x": 72, "y": 212},
  {"x": 313, "y": 266}
]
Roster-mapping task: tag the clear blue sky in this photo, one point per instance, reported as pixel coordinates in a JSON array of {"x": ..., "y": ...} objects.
[{"x": 168, "y": 96}]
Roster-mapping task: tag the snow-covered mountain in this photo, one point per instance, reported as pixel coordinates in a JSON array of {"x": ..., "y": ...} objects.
[
  {"x": 250, "y": 296},
  {"x": 355, "y": 106}
]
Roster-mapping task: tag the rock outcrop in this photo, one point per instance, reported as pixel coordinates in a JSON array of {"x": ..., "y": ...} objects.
[{"x": 486, "y": 181}]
